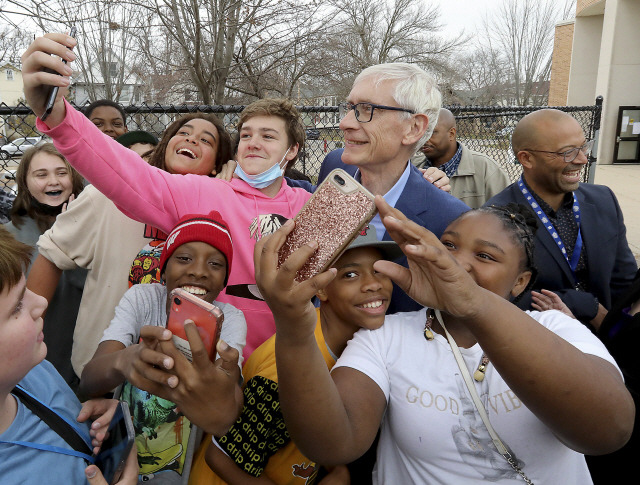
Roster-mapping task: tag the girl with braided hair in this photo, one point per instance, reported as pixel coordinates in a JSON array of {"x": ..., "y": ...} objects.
[
  {"x": 470, "y": 389},
  {"x": 518, "y": 220}
]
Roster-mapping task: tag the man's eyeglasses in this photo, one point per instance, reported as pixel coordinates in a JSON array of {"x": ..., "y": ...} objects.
[
  {"x": 570, "y": 155},
  {"x": 364, "y": 111}
]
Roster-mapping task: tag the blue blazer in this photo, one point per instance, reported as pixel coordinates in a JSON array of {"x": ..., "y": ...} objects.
[
  {"x": 611, "y": 264},
  {"x": 420, "y": 202}
]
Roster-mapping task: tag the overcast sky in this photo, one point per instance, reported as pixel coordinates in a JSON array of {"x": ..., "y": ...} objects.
[
  {"x": 455, "y": 15},
  {"x": 463, "y": 14}
]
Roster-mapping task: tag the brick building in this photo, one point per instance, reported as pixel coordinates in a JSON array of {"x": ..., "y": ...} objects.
[{"x": 596, "y": 54}]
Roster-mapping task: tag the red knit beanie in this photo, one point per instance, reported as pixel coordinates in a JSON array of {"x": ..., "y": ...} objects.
[{"x": 210, "y": 229}]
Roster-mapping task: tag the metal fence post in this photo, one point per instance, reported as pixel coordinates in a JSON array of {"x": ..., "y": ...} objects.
[{"x": 593, "y": 160}]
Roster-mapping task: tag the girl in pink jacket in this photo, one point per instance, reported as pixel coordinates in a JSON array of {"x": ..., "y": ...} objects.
[{"x": 254, "y": 204}]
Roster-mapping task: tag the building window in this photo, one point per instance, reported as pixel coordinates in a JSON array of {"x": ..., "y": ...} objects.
[
  {"x": 113, "y": 70},
  {"x": 9, "y": 73}
]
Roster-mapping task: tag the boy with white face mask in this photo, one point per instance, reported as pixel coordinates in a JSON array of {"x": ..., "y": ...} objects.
[
  {"x": 271, "y": 131},
  {"x": 266, "y": 145},
  {"x": 263, "y": 179}
]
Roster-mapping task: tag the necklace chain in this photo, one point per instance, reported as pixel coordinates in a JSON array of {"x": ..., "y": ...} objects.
[{"x": 480, "y": 372}]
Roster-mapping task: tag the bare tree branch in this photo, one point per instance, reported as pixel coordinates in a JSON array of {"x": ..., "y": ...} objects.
[
  {"x": 12, "y": 43},
  {"x": 105, "y": 39},
  {"x": 372, "y": 32},
  {"x": 523, "y": 30}
]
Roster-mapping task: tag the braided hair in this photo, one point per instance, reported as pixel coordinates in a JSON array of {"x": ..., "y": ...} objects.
[{"x": 522, "y": 224}]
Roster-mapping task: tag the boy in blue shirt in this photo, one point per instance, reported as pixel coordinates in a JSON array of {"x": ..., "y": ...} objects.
[{"x": 29, "y": 449}]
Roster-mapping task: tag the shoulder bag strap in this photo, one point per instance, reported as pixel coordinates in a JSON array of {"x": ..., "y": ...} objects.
[
  {"x": 55, "y": 422},
  {"x": 500, "y": 446}
]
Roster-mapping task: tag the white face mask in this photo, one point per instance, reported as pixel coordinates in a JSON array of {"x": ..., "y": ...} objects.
[{"x": 266, "y": 178}]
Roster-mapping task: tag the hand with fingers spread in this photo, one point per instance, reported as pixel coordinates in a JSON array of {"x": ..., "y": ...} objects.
[
  {"x": 548, "y": 300},
  {"x": 227, "y": 170},
  {"x": 47, "y": 52},
  {"x": 433, "y": 278},
  {"x": 208, "y": 393},
  {"x": 140, "y": 364},
  {"x": 289, "y": 300},
  {"x": 148, "y": 363}
]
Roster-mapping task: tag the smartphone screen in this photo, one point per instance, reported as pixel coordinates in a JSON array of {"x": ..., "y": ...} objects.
[{"x": 116, "y": 446}]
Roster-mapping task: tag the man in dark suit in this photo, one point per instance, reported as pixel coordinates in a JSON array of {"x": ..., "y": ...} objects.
[
  {"x": 390, "y": 112},
  {"x": 581, "y": 249},
  {"x": 597, "y": 265}
]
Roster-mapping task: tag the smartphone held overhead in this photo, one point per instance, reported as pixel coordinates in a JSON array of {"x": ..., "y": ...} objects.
[
  {"x": 333, "y": 217},
  {"x": 206, "y": 316},
  {"x": 53, "y": 92}
]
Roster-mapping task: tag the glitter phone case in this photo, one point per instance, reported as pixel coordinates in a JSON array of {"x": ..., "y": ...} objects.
[{"x": 333, "y": 217}]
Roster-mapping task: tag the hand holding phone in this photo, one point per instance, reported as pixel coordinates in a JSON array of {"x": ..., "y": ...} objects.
[
  {"x": 53, "y": 92},
  {"x": 333, "y": 217},
  {"x": 117, "y": 444},
  {"x": 207, "y": 317}
]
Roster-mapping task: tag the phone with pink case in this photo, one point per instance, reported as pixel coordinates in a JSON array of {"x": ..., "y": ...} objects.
[
  {"x": 207, "y": 317},
  {"x": 334, "y": 216}
]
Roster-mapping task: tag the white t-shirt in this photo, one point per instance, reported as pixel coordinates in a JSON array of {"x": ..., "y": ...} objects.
[{"x": 431, "y": 431}]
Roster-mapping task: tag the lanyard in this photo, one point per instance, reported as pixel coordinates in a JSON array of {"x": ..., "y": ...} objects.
[
  {"x": 51, "y": 448},
  {"x": 546, "y": 222},
  {"x": 60, "y": 425}
]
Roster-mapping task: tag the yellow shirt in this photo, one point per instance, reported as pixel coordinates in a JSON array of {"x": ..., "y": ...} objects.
[{"x": 287, "y": 466}]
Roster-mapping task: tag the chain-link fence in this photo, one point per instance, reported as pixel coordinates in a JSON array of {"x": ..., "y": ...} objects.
[{"x": 486, "y": 129}]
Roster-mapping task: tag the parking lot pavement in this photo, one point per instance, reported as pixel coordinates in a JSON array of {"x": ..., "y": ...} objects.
[{"x": 624, "y": 180}]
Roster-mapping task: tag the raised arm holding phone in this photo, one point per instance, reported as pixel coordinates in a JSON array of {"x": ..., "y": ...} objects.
[{"x": 34, "y": 60}]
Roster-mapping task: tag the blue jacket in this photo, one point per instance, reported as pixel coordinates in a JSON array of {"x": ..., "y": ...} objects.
[{"x": 610, "y": 262}]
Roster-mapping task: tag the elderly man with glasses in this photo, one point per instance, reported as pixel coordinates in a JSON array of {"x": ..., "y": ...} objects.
[
  {"x": 581, "y": 249},
  {"x": 390, "y": 112}
]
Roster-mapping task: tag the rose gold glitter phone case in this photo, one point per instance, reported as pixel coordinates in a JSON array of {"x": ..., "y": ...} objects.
[{"x": 333, "y": 217}]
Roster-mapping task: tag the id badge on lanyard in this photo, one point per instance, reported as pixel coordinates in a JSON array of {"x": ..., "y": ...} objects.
[{"x": 546, "y": 222}]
